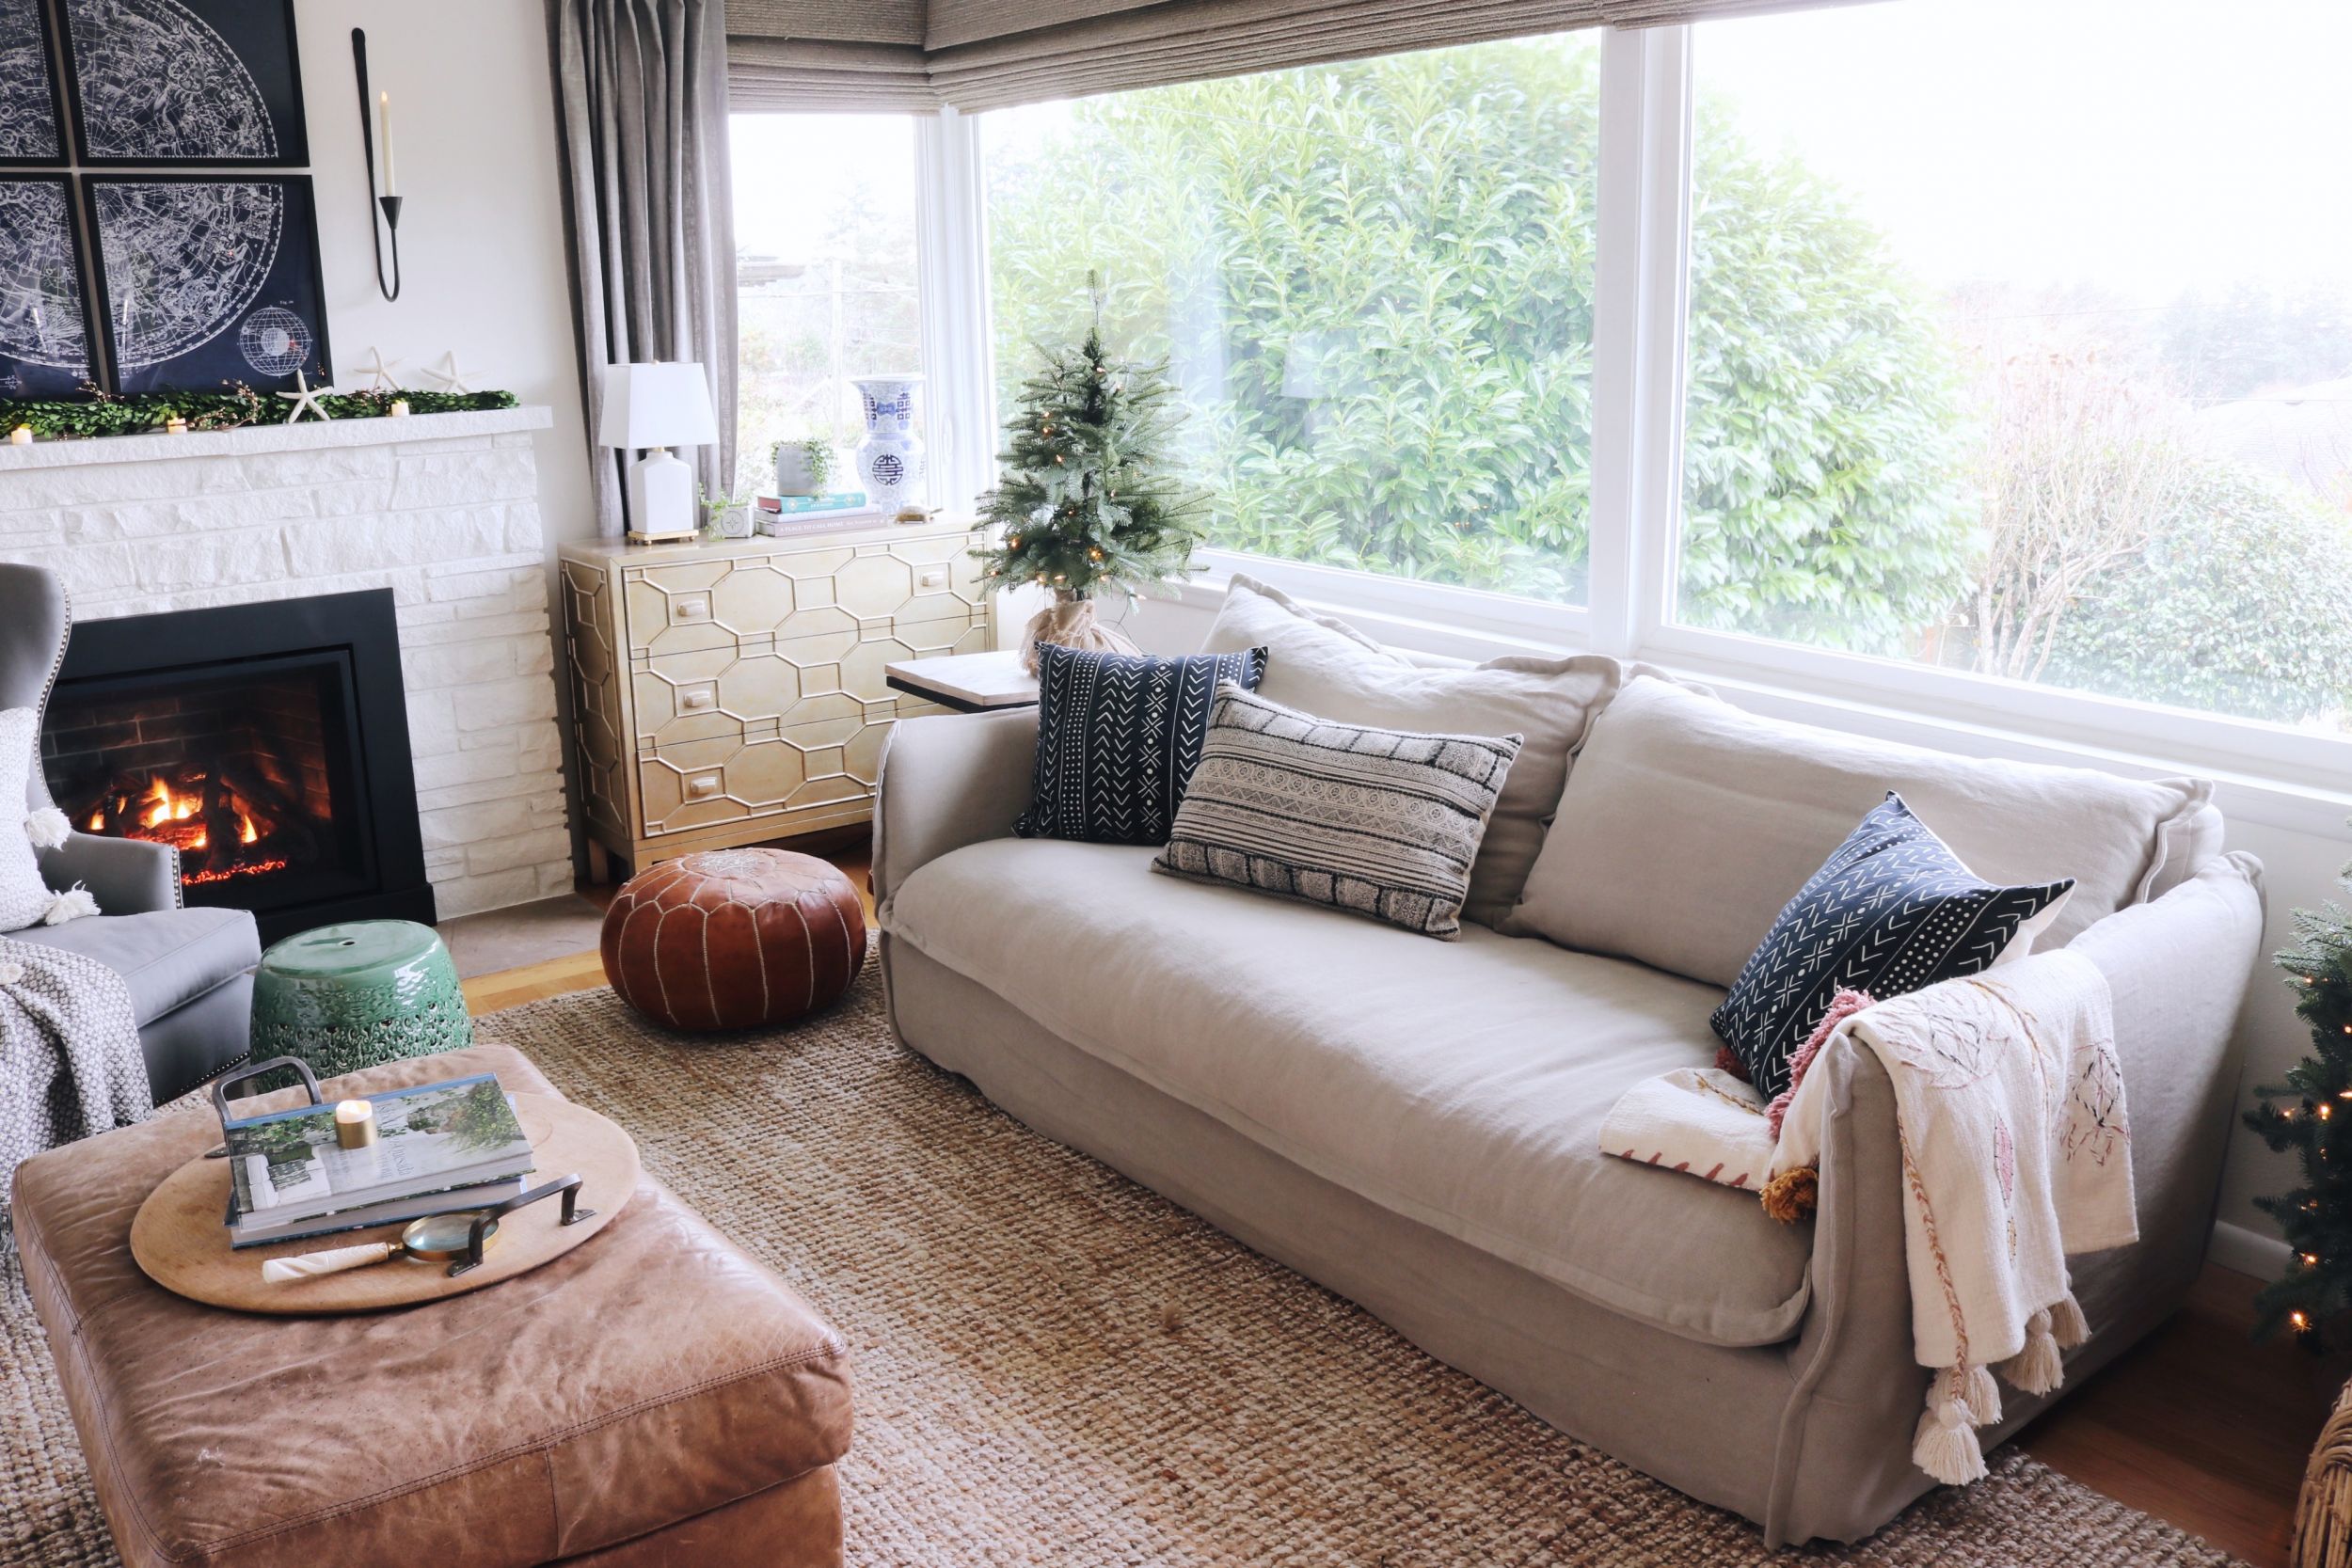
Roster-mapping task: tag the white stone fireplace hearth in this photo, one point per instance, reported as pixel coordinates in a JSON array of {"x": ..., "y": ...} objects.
[{"x": 442, "y": 509}]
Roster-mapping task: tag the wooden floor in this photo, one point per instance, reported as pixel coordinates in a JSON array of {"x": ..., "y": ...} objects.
[{"x": 2196, "y": 1424}]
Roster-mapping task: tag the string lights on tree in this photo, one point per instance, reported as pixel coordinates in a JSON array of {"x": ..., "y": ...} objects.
[{"x": 2299, "y": 1115}]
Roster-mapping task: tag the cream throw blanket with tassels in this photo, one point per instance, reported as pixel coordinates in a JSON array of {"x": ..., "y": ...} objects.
[{"x": 2016, "y": 1153}]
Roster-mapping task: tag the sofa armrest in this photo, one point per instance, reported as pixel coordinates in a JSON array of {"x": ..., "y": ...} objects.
[
  {"x": 947, "y": 781},
  {"x": 127, "y": 876}
]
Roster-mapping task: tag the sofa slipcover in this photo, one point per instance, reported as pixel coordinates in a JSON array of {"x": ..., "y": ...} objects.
[
  {"x": 1459, "y": 1084},
  {"x": 1688, "y": 824}
]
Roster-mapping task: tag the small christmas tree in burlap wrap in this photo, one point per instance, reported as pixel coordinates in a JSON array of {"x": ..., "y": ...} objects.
[
  {"x": 1083, "y": 507},
  {"x": 2312, "y": 1114}
]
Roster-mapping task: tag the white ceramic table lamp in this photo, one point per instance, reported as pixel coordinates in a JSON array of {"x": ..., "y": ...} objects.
[{"x": 657, "y": 408}]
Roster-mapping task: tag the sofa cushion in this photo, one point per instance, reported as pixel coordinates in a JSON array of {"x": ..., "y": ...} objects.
[
  {"x": 168, "y": 957},
  {"x": 1891, "y": 911},
  {"x": 1459, "y": 1084},
  {"x": 1379, "y": 821},
  {"x": 1688, "y": 824},
  {"x": 1325, "y": 667},
  {"x": 1118, "y": 737}
]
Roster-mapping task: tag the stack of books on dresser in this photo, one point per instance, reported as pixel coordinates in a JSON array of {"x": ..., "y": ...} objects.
[
  {"x": 438, "y": 1149},
  {"x": 782, "y": 515}
]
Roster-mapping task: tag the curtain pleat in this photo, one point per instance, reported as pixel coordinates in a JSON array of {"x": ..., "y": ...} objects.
[
  {"x": 640, "y": 100},
  {"x": 991, "y": 53}
]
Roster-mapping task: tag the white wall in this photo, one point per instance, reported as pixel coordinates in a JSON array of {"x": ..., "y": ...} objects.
[
  {"x": 2299, "y": 871},
  {"x": 482, "y": 235}
]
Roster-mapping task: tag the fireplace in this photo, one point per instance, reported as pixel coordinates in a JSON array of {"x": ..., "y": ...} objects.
[{"x": 268, "y": 743}]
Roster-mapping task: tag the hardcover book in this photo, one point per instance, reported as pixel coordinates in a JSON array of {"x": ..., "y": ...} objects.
[
  {"x": 287, "y": 1166},
  {"x": 835, "y": 501}
]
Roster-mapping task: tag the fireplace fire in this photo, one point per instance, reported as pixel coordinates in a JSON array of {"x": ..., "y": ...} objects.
[{"x": 266, "y": 743}]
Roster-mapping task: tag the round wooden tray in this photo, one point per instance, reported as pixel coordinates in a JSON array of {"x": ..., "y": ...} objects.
[{"x": 179, "y": 1238}]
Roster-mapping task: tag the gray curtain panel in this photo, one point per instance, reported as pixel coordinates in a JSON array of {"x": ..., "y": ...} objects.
[{"x": 640, "y": 105}]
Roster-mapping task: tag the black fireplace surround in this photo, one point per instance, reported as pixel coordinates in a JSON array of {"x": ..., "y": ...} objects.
[{"x": 268, "y": 743}]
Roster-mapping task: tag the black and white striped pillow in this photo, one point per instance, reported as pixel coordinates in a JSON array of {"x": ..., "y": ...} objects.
[
  {"x": 1117, "y": 738},
  {"x": 1382, "y": 822}
]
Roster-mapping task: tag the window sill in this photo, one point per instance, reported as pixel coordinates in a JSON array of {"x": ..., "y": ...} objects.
[{"x": 2084, "y": 733}]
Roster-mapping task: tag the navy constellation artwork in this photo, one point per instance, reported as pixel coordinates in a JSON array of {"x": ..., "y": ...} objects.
[
  {"x": 44, "y": 316},
  {"x": 207, "y": 280},
  {"x": 29, "y": 131},
  {"x": 185, "y": 81}
]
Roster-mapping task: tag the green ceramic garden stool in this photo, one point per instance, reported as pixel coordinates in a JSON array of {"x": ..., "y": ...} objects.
[{"x": 351, "y": 996}]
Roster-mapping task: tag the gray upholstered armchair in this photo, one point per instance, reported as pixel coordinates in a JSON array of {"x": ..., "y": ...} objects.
[{"x": 190, "y": 971}]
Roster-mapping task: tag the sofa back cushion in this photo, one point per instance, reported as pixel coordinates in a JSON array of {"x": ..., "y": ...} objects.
[
  {"x": 1688, "y": 824},
  {"x": 1324, "y": 666}
]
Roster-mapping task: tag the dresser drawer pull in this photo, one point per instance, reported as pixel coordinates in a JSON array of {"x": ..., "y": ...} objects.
[
  {"x": 697, "y": 607},
  {"x": 702, "y": 786},
  {"x": 699, "y": 697}
]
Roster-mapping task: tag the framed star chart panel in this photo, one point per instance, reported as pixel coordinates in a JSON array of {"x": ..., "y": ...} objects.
[
  {"x": 31, "y": 131},
  {"x": 205, "y": 279},
  {"x": 45, "y": 313},
  {"x": 212, "y": 82}
]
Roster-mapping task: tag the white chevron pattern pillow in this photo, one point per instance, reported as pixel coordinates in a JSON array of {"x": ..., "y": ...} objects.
[
  {"x": 1382, "y": 822},
  {"x": 1891, "y": 911}
]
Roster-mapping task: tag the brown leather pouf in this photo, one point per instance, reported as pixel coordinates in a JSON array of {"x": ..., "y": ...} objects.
[{"x": 732, "y": 939}]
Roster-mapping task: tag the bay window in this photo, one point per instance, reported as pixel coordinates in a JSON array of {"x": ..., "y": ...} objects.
[{"x": 1983, "y": 365}]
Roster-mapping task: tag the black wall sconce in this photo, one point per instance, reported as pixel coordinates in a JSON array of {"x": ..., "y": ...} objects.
[{"x": 385, "y": 201}]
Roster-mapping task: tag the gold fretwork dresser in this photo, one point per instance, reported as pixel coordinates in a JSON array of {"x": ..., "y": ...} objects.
[{"x": 729, "y": 693}]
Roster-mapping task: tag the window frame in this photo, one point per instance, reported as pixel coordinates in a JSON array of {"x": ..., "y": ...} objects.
[{"x": 1640, "y": 322}]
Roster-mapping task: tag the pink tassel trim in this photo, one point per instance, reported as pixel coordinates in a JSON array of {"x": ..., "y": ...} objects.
[{"x": 1842, "y": 1006}]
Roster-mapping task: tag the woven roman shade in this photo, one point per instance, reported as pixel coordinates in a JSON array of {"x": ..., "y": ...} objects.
[{"x": 990, "y": 53}]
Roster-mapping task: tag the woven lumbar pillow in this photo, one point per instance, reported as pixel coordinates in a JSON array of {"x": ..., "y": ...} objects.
[
  {"x": 24, "y": 899},
  {"x": 1382, "y": 822},
  {"x": 1891, "y": 911},
  {"x": 1118, "y": 736}
]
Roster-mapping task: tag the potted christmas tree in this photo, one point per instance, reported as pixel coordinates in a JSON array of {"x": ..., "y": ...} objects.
[
  {"x": 2312, "y": 1114},
  {"x": 1083, "y": 508}
]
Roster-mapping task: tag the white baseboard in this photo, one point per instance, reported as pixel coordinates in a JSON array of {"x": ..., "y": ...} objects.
[{"x": 2247, "y": 1251}]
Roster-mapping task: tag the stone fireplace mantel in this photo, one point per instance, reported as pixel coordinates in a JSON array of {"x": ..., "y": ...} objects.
[{"x": 442, "y": 509}]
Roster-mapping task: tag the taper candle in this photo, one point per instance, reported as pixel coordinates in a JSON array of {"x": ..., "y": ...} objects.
[
  {"x": 384, "y": 129},
  {"x": 354, "y": 1123}
]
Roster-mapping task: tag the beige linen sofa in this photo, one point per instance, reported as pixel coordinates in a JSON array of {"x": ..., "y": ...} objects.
[{"x": 1413, "y": 1123}]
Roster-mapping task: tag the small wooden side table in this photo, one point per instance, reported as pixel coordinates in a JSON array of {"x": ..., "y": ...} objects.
[{"x": 968, "y": 683}]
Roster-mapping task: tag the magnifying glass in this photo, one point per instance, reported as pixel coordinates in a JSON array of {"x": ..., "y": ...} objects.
[{"x": 458, "y": 1238}]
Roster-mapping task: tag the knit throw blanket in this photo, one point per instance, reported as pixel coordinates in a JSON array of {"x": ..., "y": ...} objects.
[
  {"x": 70, "y": 1058},
  {"x": 2016, "y": 1151}
]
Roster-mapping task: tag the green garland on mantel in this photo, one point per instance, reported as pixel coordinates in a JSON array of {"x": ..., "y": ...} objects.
[{"x": 63, "y": 418}]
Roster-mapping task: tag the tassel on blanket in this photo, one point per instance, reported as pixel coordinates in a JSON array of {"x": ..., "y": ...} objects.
[
  {"x": 2067, "y": 1325},
  {"x": 1946, "y": 1446},
  {"x": 1842, "y": 1006},
  {"x": 1790, "y": 1195},
  {"x": 2037, "y": 1368},
  {"x": 47, "y": 827},
  {"x": 1983, "y": 1396},
  {"x": 70, "y": 904}
]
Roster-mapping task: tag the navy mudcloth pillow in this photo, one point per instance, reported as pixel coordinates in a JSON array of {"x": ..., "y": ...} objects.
[
  {"x": 1891, "y": 911},
  {"x": 1118, "y": 737}
]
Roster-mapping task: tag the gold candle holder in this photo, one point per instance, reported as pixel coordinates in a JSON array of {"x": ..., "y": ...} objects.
[{"x": 354, "y": 1123}]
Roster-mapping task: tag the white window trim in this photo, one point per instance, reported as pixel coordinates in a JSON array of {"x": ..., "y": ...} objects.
[{"x": 2289, "y": 778}]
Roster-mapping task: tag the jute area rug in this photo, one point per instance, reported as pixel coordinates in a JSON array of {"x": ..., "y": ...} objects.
[{"x": 1056, "y": 1366}]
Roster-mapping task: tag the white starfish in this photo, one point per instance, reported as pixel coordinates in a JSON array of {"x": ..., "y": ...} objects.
[
  {"x": 378, "y": 370},
  {"x": 304, "y": 396},
  {"x": 453, "y": 378}
]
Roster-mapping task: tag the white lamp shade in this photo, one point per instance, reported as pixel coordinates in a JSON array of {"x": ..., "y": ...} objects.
[{"x": 657, "y": 405}]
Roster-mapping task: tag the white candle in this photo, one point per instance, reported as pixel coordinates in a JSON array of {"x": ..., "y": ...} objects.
[
  {"x": 384, "y": 123},
  {"x": 400, "y": 408},
  {"x": 21, "y": 436},
  {"x": 354, "y": 1123}
]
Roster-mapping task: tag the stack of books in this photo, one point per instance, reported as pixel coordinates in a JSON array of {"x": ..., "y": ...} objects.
[
  {"x": 789, "y": 514},
  {"x": 438, "y": 1149}
]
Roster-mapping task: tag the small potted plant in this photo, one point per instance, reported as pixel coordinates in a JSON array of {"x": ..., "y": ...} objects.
[{"x": 803, "y": 467}]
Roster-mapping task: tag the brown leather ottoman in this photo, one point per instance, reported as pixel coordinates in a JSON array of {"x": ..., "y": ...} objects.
[{"x": 651, "y": 1397}]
